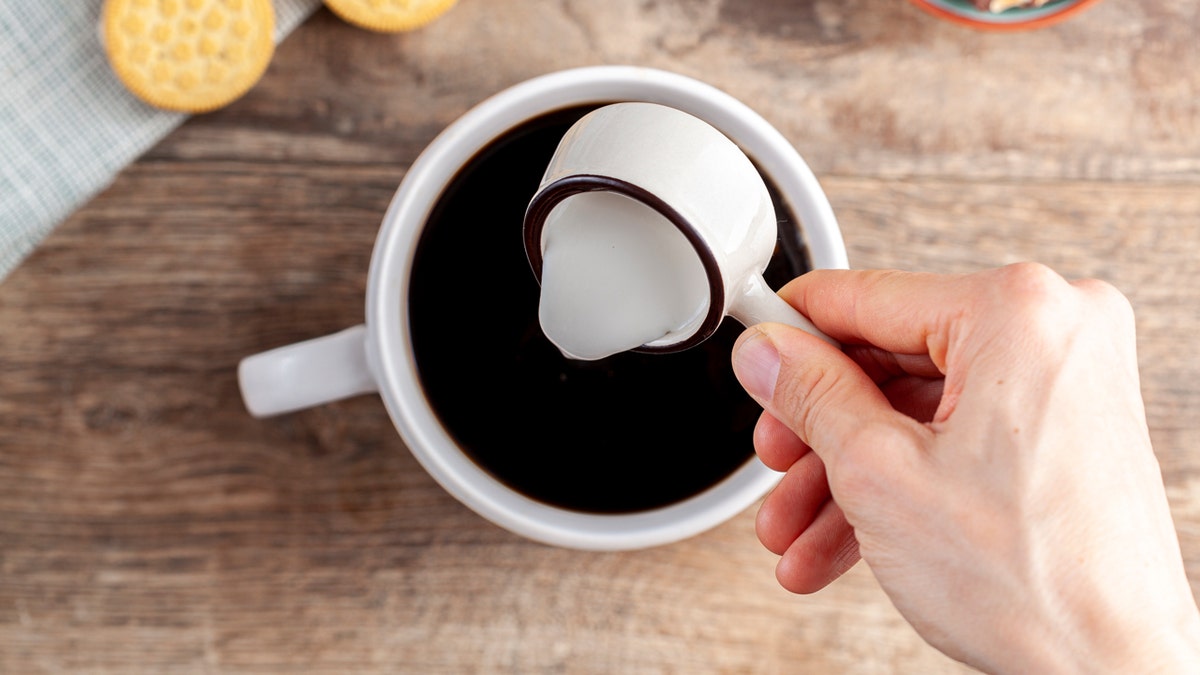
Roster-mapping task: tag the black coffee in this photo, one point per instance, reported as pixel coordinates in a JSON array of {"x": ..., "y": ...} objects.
[{"x": 627, "y": 433}]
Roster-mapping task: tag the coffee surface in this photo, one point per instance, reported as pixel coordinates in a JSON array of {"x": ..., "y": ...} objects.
[{"x": 625, "y": 433}]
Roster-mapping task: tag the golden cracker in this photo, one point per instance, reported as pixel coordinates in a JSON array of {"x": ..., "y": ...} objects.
[
  {"x": 189, "y": 55},
  {"x": 389, "y": 16}
]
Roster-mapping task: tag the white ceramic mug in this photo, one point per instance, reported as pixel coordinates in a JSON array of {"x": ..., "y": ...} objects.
[{"x": 377, "y": 356}]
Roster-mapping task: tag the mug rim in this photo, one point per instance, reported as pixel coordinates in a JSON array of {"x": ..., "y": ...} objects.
[{"x": 391, "y": 265}]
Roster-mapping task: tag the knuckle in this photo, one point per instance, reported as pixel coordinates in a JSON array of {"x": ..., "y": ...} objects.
[
  {"x": 1037, "y": 297},
  {"x": 1106, "y": 299},
  {"x": 1107, "y": 312},
  {"x": 1031, "y": 283},
  {"x": 1049, "y": 311}
]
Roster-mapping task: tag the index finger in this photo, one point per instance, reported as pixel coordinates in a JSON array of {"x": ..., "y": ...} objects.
[{"x": 900, "y": 312}]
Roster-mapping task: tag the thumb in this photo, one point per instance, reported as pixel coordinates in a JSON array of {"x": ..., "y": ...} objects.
[{"x": 822, "y": 395}]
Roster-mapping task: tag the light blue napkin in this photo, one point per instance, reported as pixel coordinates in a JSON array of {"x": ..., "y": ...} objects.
[{"x": 67, "y": 125}]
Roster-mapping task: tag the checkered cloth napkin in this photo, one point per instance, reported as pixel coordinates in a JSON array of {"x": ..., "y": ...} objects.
[{"x": 67, "y": 125}]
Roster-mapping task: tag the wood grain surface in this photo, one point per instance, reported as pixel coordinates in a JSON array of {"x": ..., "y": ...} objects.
[{"x": 149, "y": 525}]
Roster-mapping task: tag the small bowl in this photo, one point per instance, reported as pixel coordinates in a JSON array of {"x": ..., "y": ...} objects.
[{"x": 964, "y": 12}]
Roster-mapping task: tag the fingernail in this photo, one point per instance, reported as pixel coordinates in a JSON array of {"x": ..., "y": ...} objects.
[{"x": 756, "y": 364}]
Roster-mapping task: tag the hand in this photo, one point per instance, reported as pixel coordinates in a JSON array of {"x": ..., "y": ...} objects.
[{"x": 981, "y": 442}]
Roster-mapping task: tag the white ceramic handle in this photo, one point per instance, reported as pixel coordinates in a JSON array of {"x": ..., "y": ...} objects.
[
  {"x": 306, "y": 374},
  {"x": 757, "y": 303}
]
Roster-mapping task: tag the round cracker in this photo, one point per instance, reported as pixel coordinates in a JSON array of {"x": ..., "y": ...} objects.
[
  {"x": 389, "y": 16},
  {"x": 189, "y": 55}
]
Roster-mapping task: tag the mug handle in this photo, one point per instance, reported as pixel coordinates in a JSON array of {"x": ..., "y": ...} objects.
[
  {"x": 307, "y": 374},
  {"x": 757, "y": 303}
]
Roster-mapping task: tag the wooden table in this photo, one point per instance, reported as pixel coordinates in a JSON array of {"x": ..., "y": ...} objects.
[{"x": 148, "y": 524}]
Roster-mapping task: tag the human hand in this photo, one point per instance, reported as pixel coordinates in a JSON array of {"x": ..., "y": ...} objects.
[{"x": 981, "y": 442}]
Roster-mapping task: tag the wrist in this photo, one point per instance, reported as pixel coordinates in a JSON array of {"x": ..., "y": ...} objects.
[
  {"x": 1179, "y": 652},
  {"x": 1170, "y": 644}
]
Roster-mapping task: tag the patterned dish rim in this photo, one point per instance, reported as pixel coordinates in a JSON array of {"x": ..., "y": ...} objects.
[{"x": 964, "y": 13}]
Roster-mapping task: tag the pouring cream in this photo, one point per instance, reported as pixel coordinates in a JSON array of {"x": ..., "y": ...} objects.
[{"x": 616, "y": 274}]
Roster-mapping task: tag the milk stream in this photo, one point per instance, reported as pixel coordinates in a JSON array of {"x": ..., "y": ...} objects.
[{"x": 616, "y": 275}]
